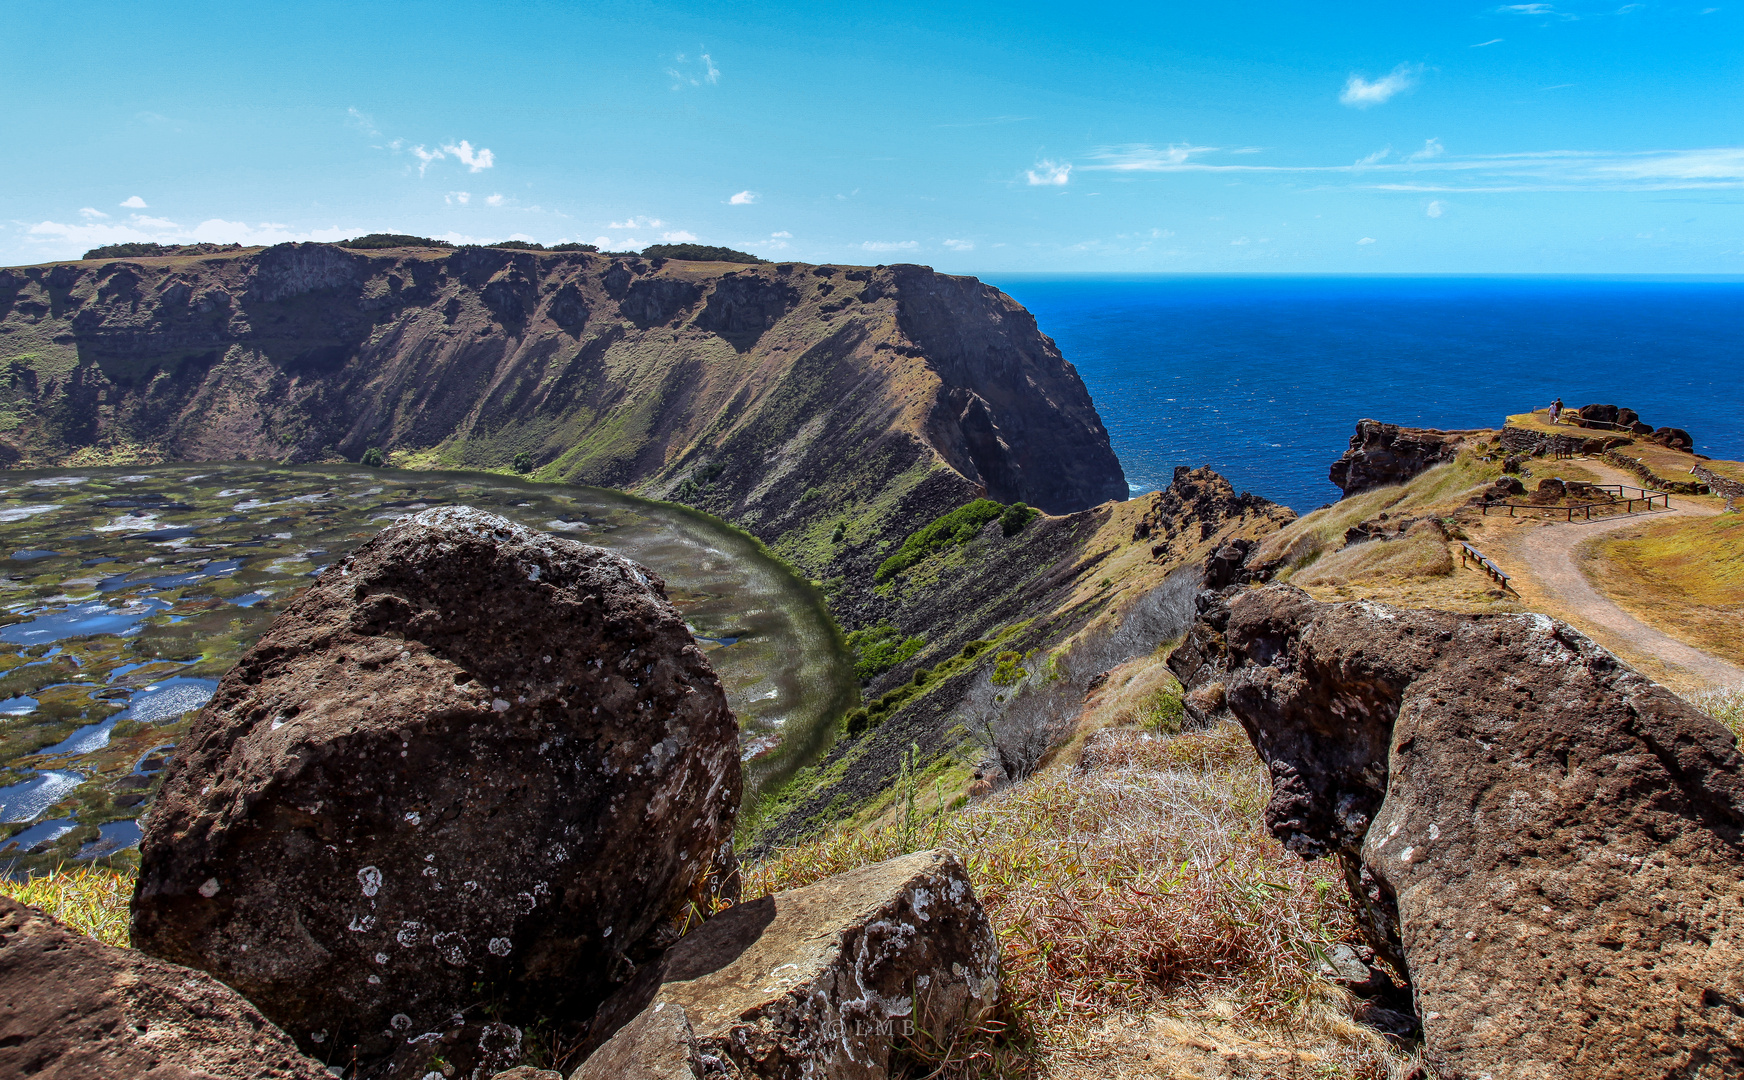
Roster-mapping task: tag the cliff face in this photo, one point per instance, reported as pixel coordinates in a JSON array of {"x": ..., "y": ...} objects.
[{"x": 624, "y": 372}]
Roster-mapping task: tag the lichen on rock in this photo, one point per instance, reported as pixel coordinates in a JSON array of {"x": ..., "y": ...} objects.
[{"x": 824, "y": 981}]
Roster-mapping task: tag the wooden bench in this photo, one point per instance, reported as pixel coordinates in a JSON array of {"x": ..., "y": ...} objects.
[{"x": 1469, "y": 554}]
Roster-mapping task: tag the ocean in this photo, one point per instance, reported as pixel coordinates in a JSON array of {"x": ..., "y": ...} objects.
[{"x": 1264, "y": 378}]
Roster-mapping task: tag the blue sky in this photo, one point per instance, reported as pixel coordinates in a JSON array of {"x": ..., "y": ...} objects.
[{"x": 1258, "y": 137}]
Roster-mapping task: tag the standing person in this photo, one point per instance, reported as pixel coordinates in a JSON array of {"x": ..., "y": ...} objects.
[{"x": 1556, "y": 411}]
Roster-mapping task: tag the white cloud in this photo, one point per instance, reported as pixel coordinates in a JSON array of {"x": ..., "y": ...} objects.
[
  {"x": 602, "y": 241},
  {"x": 1365, "y": 240},
  {"x": 363, "y": 122},
  {"x": 133, "y": 202},
  {"x": 1048, "y": 172},
  {"x": 68, "y": 240},
  {"x": 425, "y": 157},
  {"x": 960, "y": 245},
  {"x": 457, "y": 197},
  {"x": 1486, "y": 44},
  {"x": 1240, "y": 241},
  {"x": 637, "y": 223},
  {"x": 91, "y": 213},
  {"x": 493, "y": 200},
  {"x": 477, "y": 161},
  {"x": 1435, "y": 208},
  {"x": 678, "y": 237},
  {"x": 693, "y": 72},
  {"x": 743, "y": 198},
  {"x": 1432, "y": 148},
  {"x": 1142, "y": 157},
  {"x": 782, "y": 235},
  {"x": 1374, "y": 157},
  {"x": 1433, "y": 169},
  {"x": 890, "y": 245},
  {"x": 1360, "y": 93},
  {"x": 1546, "y": 10}
]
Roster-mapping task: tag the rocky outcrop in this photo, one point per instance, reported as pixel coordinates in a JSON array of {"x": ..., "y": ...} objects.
[
  {"x": 1196, "y": 505},
  {"x": 826, "y": 981},
  {"x": 1381, "y": 455},
  {"x": 1550, "y": 845},
  {"x": 72, "y": 1008},
  {"x": 472, "y": 764}
]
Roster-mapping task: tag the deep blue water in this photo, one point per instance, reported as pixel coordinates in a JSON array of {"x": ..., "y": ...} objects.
[{"x": 1265, "y": 378}]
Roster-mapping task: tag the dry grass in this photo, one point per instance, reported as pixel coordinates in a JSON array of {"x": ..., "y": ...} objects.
[
  {"x": 1726, "y": 706},
  {"x": 1143, "y": 890},
  {"x": 1421, "y": 553},
  {"x": 91, "y": 900},
  {"x": 1684, "y": 576}
]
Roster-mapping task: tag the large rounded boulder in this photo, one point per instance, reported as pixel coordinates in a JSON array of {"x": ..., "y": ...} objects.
[{"x": 474, "y": 765}]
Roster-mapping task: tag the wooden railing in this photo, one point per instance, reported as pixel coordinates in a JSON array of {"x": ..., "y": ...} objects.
[{"x": 1645, "y": 496}]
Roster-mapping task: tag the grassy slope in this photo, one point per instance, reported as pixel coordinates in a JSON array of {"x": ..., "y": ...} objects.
[
  {"x": 1685, "y": 577},
  {"x": 1062, "y": 582},
  {"x": 1421, "y": 570}
]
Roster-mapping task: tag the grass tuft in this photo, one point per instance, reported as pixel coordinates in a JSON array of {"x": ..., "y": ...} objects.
[
  {"x": 91, "y": 899},
  {"x": 1726, "y": 706},
  {"x": 1127, "y": 890}
]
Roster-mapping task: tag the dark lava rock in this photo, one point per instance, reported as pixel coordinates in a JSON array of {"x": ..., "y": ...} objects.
[
  {"x": 1381, "y": 455},
  {"x": 1551, "y": 845},
  {"x": 1602, "y": 414},
  {"x": 472, "y": 763},
  {"x": 73, "y": 1008},
  {"x": 821, "y": 982},
  {"x": 1673, "y": 438}
]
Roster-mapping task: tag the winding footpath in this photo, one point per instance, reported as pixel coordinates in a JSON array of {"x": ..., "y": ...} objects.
[{"x": 1547, "y": 555}]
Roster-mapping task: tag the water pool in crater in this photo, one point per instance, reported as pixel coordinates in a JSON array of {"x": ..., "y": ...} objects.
[{"x": 130, "y": 591}]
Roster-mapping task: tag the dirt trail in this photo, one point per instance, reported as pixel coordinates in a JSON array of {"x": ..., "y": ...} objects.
[{"x": 1546, "y": 559}]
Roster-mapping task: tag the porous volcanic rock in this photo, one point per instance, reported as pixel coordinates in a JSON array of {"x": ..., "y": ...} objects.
[
  {"x": 1381, "y": 455},
  {"x": 1548, "y": 843},
  {"x": 473, "y": 762},
  {"x": 816, "y": 982},
  {"x": 73, "y": 1008}
]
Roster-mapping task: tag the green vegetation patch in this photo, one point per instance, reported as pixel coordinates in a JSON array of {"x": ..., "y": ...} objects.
[
  {"x": 1016, "y": 516},
  {"x": 146, "y": 251},
  {"x": 877, "y": 649},
  {"x": 699, "y": 253},
  {"x": 377, "y": 240},
  {"x": 947, "y": 531}
]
